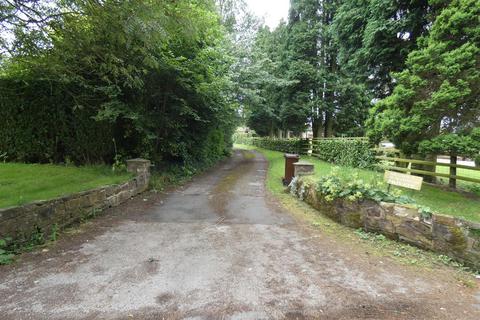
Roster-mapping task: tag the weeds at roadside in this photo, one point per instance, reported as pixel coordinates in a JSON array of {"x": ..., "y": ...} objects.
[
  {"x": 172, "y": 175},
  {"x": 89, "y": 215},
  {"x": 36, "y": 239},
  {"x": 54, "y": 233},
  {"x": 6, "y": 257},
  {"x": 9, "y": 248}
]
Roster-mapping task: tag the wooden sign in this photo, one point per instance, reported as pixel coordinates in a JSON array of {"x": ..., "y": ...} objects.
[{"x": 403, "y": 180}]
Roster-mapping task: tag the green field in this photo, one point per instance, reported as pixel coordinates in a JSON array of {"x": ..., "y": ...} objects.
[
  {"x": 441, "y": 201},
  {"x": 23, "y": 183}
]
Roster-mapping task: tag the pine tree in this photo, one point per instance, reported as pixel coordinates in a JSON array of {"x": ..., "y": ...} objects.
[{"x": 437, "y": 93}]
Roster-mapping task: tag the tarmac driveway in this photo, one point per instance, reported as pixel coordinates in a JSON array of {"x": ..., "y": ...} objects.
[{"x": 219, "y": 248}]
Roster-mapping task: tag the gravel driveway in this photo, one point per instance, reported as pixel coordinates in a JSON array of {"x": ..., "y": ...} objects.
[{"x": 219, "y": 248}]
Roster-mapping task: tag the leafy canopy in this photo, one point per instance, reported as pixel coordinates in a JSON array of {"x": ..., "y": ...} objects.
[{"x": 437, "y": 93}]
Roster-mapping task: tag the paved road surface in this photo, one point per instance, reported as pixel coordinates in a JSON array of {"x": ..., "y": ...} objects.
[{"x": 219, "y": 248}]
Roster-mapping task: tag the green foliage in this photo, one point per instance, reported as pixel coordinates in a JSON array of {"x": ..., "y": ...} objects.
[
  {"x": 293, "y": 80},
  {"x": 374, "y": 38},
  {"x": 332, "y": 187},
  {"x": 54, "y": 233},
  {"x": 437, "y": 93},
  {"x": 6, "y": 257},
  {"x": 335, "y": 186},
  {"x": 353, "y": 153},
  {"x": 451, "y": 144},
  {"x": 152, "y": 75},
  {"x": 37, "y": 238},
  {"x": 282, "y": 145},
  {"x": 171, "y": 174},
  {"x": 264, "y": 86},
  {"x": 446, "y": 202},
  {"x": 378, "y": 238}
]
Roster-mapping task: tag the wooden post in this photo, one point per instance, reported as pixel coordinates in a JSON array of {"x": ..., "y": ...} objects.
[{"x": 452, "y": 182}]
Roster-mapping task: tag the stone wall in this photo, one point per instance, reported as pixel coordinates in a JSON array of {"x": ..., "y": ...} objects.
[
  {"x": 40, "y": 217},
  {"x": 456, "y": 238}
]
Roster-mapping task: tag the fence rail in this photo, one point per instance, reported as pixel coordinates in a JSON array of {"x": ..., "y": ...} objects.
[{"x": 429, "y": 173}]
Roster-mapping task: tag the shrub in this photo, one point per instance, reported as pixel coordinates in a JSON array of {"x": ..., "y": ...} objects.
[
  {"x": 138, "y": 75},
  {"x": 334, "y": 186},
  {"x": 353, "y": 153},
  {"x": 282, "y": 145}
]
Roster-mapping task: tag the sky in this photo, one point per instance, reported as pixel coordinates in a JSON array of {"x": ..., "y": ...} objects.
[{"x": 271, "y": 10}]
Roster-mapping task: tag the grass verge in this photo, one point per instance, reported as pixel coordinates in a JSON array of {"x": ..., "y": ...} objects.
[
  {"x": 375, "y": 244},
  {"x": 23, "y": 183}
]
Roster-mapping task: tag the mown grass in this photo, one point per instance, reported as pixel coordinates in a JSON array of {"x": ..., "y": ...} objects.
[
  {"x": 464, "y": 185},
  {"x": 441, "y": 201},
  {"x": 375, "y": 244},
  {"x": 23, "y": 183}
]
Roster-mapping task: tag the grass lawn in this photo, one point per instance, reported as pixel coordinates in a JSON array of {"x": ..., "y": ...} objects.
[
  {"x": 22, "y": 183},
  {"x": 441, "y": 201},
  {"x": 466, "y": 185}
]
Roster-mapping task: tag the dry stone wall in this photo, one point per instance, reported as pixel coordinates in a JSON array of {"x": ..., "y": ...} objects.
[
  {"x": 40, "y": 217},
  {"x": 456, "y": 238}
]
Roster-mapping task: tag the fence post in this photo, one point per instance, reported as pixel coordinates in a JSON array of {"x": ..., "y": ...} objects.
[{"x": 452, "y": 182}]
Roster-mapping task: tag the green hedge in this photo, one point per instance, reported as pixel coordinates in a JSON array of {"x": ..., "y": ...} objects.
[
  {"x": 353, "y": 153},
  {"x": 41, "y": 127},
  {"x": 346, "y": 152},
  {"x": 282, "y": 145}
]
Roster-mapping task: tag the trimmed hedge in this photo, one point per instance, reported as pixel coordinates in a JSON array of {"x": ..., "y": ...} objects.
[
  {"x": 282, "y": 145},
  {"x": 346, "y": 152},
  {"x": 41, "y": 124}
]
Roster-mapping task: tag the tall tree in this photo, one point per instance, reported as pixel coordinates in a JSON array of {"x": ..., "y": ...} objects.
[
  {"x": 150, "y": 75},
  {"x": 375, "y": 37},
  {"x": 335, "y": 103},
  {"x": 437, "y": 93}
]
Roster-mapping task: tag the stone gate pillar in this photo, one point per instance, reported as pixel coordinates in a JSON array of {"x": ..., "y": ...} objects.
[{"x": 141, "y": 168}]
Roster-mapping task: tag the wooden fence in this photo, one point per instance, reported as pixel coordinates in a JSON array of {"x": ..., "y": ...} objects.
[
  {"x": 309, "y": 144},
  {"x": 453, "y": 177}
]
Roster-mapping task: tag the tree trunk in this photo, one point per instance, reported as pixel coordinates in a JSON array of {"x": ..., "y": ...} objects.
[
  {"x": 272, "y": 130},
  {"x": 328, "y": 124},
  {"x": 453, "y": 172},
  {"x": 430, "y": 179},
  {"x": 317, "y": 127}
]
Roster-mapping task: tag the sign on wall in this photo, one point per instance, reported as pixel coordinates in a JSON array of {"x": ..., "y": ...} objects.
[{"x": 403, "y": 180}]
